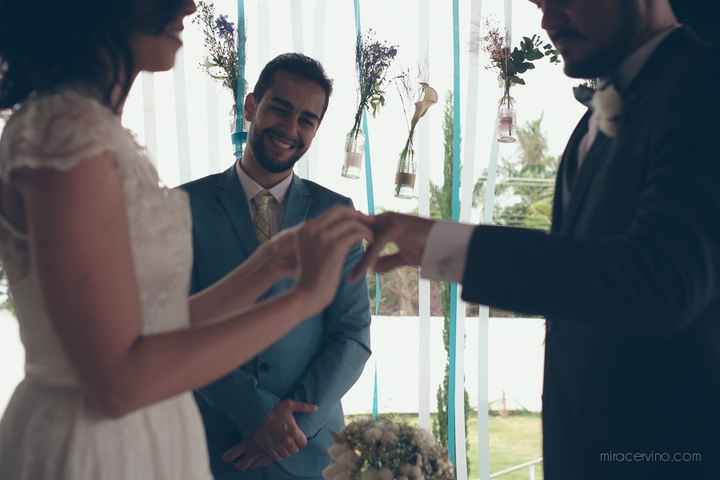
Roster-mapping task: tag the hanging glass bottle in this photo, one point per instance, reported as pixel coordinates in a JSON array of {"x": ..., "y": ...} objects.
[
  {"x": 354, "y": 154},
  {"x": 405, "y": 176},
  {"x": 506, "y": 119}
]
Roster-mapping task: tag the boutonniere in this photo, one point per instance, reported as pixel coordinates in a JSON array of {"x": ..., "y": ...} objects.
[{"x": 607, "y": 106}]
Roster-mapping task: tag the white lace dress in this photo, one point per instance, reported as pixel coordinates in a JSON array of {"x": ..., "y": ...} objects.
[{"x": 48, "y": 431}]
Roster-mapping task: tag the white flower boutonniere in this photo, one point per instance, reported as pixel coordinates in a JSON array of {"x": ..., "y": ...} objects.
[{"x": 607, "y": 106}]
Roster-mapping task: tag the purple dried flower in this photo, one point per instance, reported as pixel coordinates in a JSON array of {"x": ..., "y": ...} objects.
[{"x": 225, "y": 27}]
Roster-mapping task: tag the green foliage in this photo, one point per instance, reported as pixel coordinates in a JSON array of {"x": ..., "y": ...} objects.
[
  {"x": 512, "y": 63},
  {"x": 521, "y": 59},
  {"x": 529, "y": 182}
]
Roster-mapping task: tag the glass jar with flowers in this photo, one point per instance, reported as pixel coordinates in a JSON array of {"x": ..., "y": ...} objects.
[
  {"x": 510, "y": 64},
  {"x": 421, "y": 98},
  {"x": 222, "y": 61},
  {"x": 373, "y": 59}
]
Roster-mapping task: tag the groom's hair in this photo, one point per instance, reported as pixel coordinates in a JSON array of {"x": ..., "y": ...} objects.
[{"x": 295, "y": 64}]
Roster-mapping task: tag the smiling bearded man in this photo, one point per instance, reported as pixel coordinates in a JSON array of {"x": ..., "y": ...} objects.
[{"x": 272, "y": 418}]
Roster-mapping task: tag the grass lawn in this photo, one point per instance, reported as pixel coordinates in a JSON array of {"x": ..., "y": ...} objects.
[{"x": 514, "y": 439}]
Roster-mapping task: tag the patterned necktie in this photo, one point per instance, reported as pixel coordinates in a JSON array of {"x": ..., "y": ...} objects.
[{"x": 263, "y": 204}]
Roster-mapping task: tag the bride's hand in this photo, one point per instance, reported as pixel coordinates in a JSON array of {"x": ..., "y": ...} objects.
[
  {"x": 323, "y": 244},
  {"x": 280, "y": 253}
]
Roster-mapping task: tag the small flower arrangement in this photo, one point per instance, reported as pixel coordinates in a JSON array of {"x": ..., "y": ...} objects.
[
  {"x": 384, "y": 450},
  {"x": 373, "y": 59},
  {"x": 221, "y": 62},
  {"x": 511, "y": 64},
  {"x": 418, "y": 98}
]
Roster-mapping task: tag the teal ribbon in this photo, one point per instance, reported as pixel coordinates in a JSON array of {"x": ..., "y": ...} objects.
[
  {"x": 455, "y": 208},
  {"x": 239, "y": 137},
  {"x": 370, "y": 195},
  {"x": 375, "y": 408}
]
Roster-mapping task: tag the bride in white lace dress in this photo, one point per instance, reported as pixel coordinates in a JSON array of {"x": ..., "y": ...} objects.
[{"x": 98, "y": 256}]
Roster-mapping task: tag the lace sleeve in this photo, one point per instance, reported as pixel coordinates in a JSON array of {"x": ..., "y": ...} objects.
[{"x": 55, "y": 131}]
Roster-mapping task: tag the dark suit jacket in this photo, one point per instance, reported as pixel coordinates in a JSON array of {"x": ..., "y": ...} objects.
[
  {"x": 629, "y": 281},
  {"x": 317, "y": 362}
]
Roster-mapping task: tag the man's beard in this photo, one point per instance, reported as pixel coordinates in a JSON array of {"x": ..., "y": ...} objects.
[
  {"x": 603, "y": 63},
  {"x": 600, "y": 65},
  {"x": 265, "y": 161}
]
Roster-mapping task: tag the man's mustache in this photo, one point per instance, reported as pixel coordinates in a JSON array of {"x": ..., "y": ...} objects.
[
  {"x": 565, "y": 35},
  {"x": 295, "y": 142}
]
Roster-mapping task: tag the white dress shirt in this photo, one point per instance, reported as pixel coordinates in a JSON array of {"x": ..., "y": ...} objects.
[
  {"x": 446, "y": 249},
  {"x": 252, "y": 189}
]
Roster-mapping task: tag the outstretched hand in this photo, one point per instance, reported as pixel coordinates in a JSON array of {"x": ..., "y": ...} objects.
[
  {"x": 323, "y": 245},
  {"x": 407, "y": 232}
]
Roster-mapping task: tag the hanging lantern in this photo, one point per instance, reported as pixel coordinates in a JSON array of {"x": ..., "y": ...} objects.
[
  {"x": 506, "y": 119},
  {"x": 354, "y": 154}
]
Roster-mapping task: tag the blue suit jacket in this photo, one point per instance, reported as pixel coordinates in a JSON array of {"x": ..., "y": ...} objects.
[{"x": 317, "y": 362}]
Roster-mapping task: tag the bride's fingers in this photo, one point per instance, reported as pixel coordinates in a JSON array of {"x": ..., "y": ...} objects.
[
  {"x": 339, "y": 214},
  {"x": 340, "y": 229},
  {"x": 371, "y": 255}
]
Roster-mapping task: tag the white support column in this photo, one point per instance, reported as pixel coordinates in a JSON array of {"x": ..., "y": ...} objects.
[
  {"x": 423, "y": 163},
  {"x": 215, "y": 158},
  {"x": 468, "y": 184},
  {"x": 509, "y": 21},
  {"x": 149, "y": 116},
  {"x": 181, "y": 117},
  {"x": 263, "y": 33},
  {"x": 296, "y": 27},
  {"x": 484, "y": 324},
  {"x": 320, "y": 30}
]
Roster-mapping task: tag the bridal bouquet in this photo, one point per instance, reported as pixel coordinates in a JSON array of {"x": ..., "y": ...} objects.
[{"x": 384, "y": 450}]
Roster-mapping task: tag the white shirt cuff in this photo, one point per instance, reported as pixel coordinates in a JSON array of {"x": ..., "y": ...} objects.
[{"x": 446, "y": 251}]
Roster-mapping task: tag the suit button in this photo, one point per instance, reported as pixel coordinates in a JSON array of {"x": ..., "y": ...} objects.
[{"x": 264, "y": 367}]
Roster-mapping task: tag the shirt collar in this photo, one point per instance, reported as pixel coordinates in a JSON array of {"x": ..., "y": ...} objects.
[
  {"x": 631, "y": 67},
  {"x": 252, "y": 188}
]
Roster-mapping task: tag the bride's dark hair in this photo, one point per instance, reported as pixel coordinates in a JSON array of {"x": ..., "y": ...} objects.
[{"x": 50, "y": 43}]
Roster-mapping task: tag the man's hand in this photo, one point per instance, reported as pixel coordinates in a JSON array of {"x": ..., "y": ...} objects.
[
  {"x": 409, "y": 233},
  {"x": 277, "y": 438},
  {"x": 247, "y": 456}
]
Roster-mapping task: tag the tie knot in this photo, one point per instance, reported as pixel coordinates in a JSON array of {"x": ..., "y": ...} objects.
[{"x": 264, "y": 199}]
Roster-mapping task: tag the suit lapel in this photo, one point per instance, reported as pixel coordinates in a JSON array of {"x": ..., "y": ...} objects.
[
  {"x": 601, "y": 152},
  {"x": 297, "y": 204},
  {"x": 233, "y": 199},
  {"x": 562, "y": 189}
]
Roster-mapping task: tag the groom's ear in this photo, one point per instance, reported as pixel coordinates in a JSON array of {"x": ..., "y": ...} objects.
[{"x": 250, "y": 107}]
